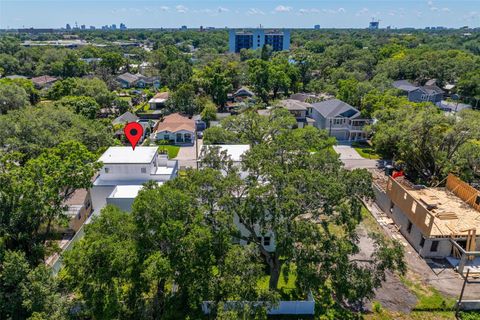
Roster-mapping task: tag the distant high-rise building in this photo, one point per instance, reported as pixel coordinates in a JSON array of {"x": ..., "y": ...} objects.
[
  {"x": 257, "y": 38},
  {"x": 184, "y": 27},
  {"x": 68, "y": 27},
  {"x": 373, "y": 25},
  {"x": 82, "y": 27},
  {"x": 114, "y": 27},
  {"x": 316, "y": 27},
  {"x": 92, "y": 27},
  {"x": 123, "y": 26}
]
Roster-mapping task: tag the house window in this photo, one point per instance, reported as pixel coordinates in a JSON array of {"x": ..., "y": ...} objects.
[
  {"x": 266, "y": 241},
  {"x": 79, "y": 215},
  {"x": 87, "y": 205},
  {"x": 434, "y": 246},
  {"x": 409, "y": 228},
  {"x": 422, "y": 242},
  {"x": 107, "y": 170},
  {"x": 144, "y": 170},
  {"x": 166, "y": 137},
  {"x": 259, "y": 239}
]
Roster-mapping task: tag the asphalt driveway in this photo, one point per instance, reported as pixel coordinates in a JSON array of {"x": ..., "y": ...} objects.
[{"x": 352, "y": 159}]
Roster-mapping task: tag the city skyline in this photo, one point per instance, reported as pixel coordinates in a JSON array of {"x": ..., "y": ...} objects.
[{"x": 234, "y": 14}]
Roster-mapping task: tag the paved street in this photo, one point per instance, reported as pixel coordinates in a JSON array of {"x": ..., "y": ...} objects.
[{"x": 352, "y": 160}]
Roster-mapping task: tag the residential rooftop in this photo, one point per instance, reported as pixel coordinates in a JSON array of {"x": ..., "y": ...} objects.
[
  {"x": 175, "y": 122},
  {"x": 334, "y": 107},
  {"x": 235, "y": 151},
  {"x": 295, "y": 105},
  {"x": 125, "y": 192},
  {"x": 122, "y": 155}
]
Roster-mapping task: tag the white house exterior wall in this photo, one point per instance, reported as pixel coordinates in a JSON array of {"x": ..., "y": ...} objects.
[
  {"x": 246, "y": 233},
  {"x": 99, "y": 196},
  {"x": 125, "y": 204}
]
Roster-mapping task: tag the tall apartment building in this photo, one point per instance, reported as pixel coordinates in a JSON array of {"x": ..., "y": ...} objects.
[{"x": 256, "y": 38}]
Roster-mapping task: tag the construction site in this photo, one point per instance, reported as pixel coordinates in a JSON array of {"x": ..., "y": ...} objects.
[{"x": 438, "y": 222}]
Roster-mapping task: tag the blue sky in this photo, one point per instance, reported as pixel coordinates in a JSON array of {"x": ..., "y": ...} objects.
[{"x": 246, "y": 13}]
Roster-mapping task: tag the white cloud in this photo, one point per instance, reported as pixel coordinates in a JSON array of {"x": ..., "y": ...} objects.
[
  {"x": 434, "y": 9},
  {"x": 446, "y": 9},
  {"x": 181, "y": 9},
  {"x": 430, "y": 3},
  {"x": 341, "y": 10},
  {"x": 308, "y": 11},
  {"x": 164, "y": 8},
  {"x": 254, "y": 11},
  {"x": 281, "y": 8},
  {"x": 222, "y": 9},
  {"x": 362, "y": 12}
]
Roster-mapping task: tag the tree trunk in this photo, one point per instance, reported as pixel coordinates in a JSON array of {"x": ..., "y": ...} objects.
[
  {"x": 159, "y": 301},
  {"x": 275, "y": 268}
]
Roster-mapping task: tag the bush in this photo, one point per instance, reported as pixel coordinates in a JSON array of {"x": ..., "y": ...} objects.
[
  {"x": 377, "y": 307},
  {"x": 163, "y": 142}
]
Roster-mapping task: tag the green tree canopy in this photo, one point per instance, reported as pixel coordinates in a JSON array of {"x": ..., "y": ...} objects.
[
  {"x": 12, "y": 97},
  {"x": 32, "y": 195},
  {"x": 31, "y": 130},
  {"x": 86, "y": 106},
  {"x": 425, "y": 139}
]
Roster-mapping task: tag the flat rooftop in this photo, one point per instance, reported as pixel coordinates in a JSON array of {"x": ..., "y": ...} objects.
[
  {"x": 126, "y": 155},
  {"x": 235, "y": 151},
  {"x": 125, "y": 192}
]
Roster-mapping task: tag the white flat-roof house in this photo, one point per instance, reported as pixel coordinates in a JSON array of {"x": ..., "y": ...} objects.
[
  {"x": 236, "y": 152},
  {"x": 124, "y": 172}
]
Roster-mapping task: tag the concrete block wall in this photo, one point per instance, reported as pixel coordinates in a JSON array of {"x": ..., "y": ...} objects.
[{"x": 381, "y": 198}]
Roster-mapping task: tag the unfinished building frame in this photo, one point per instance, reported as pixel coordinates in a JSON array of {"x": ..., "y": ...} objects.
[{"x": 438, "y": 222}]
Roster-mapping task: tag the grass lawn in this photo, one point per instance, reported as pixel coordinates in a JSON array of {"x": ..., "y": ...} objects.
[
  {"x": 365, "y": 150},
  {"x": 286, "y": 286},
  {"x": 141, "y": 106},
  {"x": 171, "y": 150},
  {"x": 428, "y": 297}
]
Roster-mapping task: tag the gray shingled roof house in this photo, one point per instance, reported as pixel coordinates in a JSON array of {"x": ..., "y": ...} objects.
[
  {"x": 424, "y": 93},
  {"x": 125, "y": 118},
  {"x": 128, "y": 80},
  {"x": 340, "y": 119}
]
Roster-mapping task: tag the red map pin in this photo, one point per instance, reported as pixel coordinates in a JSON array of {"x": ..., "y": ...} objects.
[{"x": 134, "y": 132}]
